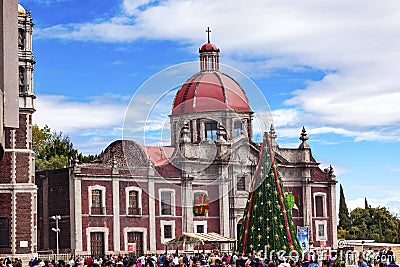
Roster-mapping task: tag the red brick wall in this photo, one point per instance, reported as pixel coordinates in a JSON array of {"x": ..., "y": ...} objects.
[
  {"x": 122, "y": 196},
  {"x": 328, "y": 219},
  {"x": 23, "y": 221},
  {"x": 21, "y": 132},
  {"x": 85, "y": 195},
  {"x": 97, "y": 220},
  {"x": 22, "y": 167},
  {"x": 58, "y": 202},
  {"x": 5, "y": 169},
  {"x": 159, "y": 230},
  {"x": 178, "y": 204},
  {"x": 7, "y": 137}
]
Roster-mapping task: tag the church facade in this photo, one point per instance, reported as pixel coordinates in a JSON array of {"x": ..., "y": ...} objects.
[
  {"x": 17, "y": 167},
  {"x": 147, "y": 195}
]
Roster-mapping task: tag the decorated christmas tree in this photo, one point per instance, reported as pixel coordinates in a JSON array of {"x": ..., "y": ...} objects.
[{"x": 267, "y": 222}]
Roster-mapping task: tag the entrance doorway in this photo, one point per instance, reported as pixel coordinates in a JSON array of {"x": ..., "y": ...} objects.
[{"x": 97, "y": 244}]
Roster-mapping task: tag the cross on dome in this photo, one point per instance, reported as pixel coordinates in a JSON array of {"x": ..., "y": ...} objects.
[{"x": 208, "y": 34}]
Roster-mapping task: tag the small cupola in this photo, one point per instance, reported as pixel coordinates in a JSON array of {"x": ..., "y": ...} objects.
[{"x": 209, "y": 55}]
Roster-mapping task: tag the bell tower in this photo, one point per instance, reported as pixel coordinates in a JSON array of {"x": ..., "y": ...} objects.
[{"x": 18, "y": 191}]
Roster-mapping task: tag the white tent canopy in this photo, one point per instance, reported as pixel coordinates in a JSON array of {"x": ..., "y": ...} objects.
[{"x": 199, "y": 239}]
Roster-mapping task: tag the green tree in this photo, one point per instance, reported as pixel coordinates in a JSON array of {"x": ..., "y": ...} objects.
[
  {"x": 54, "y": 150},
  {"x": 267, "y": 222},
  {"x": 366, "y": 206},
  {"x": 344, "y": 217},
  {"x": 374, "y": 223}
]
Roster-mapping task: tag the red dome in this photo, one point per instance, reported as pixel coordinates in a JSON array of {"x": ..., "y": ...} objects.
[
  {"x": 209, "y": 47},
  {"x": 208, "y": 91}
]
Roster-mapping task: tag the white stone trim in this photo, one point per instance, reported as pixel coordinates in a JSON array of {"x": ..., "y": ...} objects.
[
  {"x": 324, "y": 208},
  {"x": 116, "y": 218},
  {"x": 76, "y": 215},
  {"x": 196, "y": 223},
  {"x": 104, "y": 230},
  {"x": 33, "y": 224},
  {"x": 103, "y": 197},
  {"x": 317, "y": 236},
  {"x": 139, "y": 190},
  {"x": 172, "y": 200},
  {"x": 135, "y": 229},
  {"x": 162, "y": 224},
  {"x": 152, "y": 217}
]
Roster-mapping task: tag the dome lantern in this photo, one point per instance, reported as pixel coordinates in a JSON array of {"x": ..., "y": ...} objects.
[
  {"x": 209, "y": 55},
  {"x": 21, "y": 10}
]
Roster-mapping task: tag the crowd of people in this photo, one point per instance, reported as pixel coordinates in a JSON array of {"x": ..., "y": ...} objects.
[
  {"x": 369, "y": 258},
  {"x": 378, "y": 258}
]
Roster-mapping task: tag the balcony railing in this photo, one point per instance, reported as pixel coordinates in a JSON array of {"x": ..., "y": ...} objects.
[
  {"x": 98, "y": 211},
  {"x": 134, "y": 211}
]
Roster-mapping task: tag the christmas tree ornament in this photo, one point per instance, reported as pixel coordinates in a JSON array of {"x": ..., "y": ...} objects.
[{"x": 290, "y": 200}]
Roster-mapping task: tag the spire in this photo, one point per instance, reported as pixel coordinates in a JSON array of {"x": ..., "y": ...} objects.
[
  {"x": 304, "y": 138},
  {"x": 272, "y": 135}
]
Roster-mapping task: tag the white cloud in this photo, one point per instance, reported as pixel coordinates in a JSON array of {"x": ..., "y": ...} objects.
[
  {"x": 64, "y": 114},
  {"x": 92, "y": 123},
  {"x": 355, "y": 45},
  {"x": 133, "y": 7}
]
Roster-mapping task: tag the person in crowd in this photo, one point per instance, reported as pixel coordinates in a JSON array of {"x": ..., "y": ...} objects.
[
  {"x": 361, "y": 262},
  {"x": 234, "y": 259},
  {"x": 211, "y": 260},
  {"x": 313, "y": 263},
  {"x": 393, "y": 263},
  {"x": 175, "y": 260}
]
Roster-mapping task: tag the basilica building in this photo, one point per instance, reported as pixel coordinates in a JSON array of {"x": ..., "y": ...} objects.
[{"x": 148, "y": 195}]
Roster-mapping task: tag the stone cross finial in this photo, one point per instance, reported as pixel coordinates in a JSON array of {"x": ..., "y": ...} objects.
[
  {"x": 304, "y": 138},
  {"x": 272, "y": 132},
  {"x": 303, "y": 135}
]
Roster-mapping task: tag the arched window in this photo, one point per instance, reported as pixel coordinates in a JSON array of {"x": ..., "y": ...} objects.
[
  {"x": 237, "y": 128},
  {"x": 96, "y": 202},
  {"x": 211, "y": 130},
  {"x": 21, "y": 38},
  {"x": 22, "y": 80},
  {"x": 133, "y": 200}
]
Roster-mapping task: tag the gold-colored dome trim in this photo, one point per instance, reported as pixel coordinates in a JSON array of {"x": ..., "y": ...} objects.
[{"x": 21, "y": 10}]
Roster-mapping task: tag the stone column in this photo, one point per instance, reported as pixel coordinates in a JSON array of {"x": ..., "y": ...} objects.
[
  {"x": 152, "y": 218},
  {"x": 76, "y": 210},
  {"x": 224, "y": 206},
  {"x": 187, "y": 204},
  {"x": 116, "y": 218}
]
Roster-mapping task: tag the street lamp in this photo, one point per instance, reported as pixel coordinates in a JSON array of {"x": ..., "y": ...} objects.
[{"x": 57, "y": 230}]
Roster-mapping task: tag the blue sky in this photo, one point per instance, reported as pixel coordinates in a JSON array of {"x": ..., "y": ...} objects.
[{"x": 331, "y": 66}]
